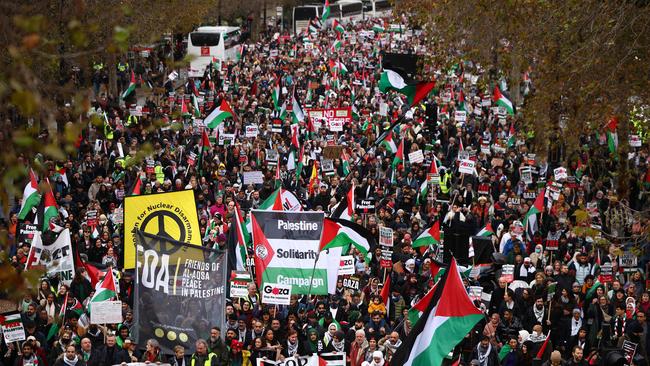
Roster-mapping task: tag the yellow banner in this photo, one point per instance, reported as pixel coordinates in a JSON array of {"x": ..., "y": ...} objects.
[{"x": 170, "y": 215}]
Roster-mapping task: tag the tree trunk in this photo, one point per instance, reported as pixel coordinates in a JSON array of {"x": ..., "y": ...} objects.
[
  {"x": 112, "y": 75},
  {"x": 255, "y": 24}
]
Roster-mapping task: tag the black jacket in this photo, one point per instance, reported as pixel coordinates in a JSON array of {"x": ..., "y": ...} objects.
[{"x": 117, "y": 356}]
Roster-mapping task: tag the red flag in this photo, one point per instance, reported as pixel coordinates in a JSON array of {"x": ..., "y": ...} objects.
[
  {"x": 385, "y": 292},
  {"x": 543, "y": 348},
  {"x": 263, "y": 251}
]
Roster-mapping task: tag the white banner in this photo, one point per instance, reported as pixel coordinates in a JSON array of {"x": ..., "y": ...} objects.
[
  {"x": 416, "y": 157},
  {"x": 331, "y": 359},
  {"x": 12, "y": 327},
  {"x": 57, "y": 257},
  {"x": 253, "y": 177},
  {"x": 106, "y": 312},
  {"x": 347, "y": 265},
  {"x": 466, "y": 166}
]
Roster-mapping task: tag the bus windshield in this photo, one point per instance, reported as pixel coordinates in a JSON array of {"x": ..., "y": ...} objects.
[
  {"x": 351, "y": 9},
  {"x": 205, "y": 39}
]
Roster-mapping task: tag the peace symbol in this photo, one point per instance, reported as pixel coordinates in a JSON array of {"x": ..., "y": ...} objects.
[{"x": 165, "y": 220}]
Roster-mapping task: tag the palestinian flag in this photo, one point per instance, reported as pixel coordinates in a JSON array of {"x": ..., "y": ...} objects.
[
  {"x": 31, "y": 197},
  {"x": 399, "y": 155},
  {"x": 389, "y": 144},
  {"x": 345, "y": 163},
  {"x": 419, "y": 307},
  {"x": 131, "y": 88},
  {"x": 299, "y": 163},
  {"x": 278, "y": 179},
  {"x": 500, "y": 100},
  {"x": 345, "y": 208},
  {"x": 505, "y": 350},
  {"x": 313, "y": 28},
  {"x": 195, "y": 106},
  {"x": 433, "y": 169},
  {"x": 339, "y": 233},
  {"x": 486, "y": 231},
  {"x": 355, "y": 111},
  {"x": 218, "y": 115},
  {"x": 530, "y": 220},
  {"x": 378, "y": 28},
  {"x": 205, "y": 142},
  {"x": 445, "y": 322},
  {"x": 273, "y": 202},
  {"x": 243, "y": 238},
  {"x": 51, "y": 210},
  {"x": 461, "y": 102},
  {"x": 338, "y": 27},
  {"x": 297, "y": 113},
  {"x": 424, "y": 189},
  {"x": 542, "y": 349},
  {"x": 241, "y": 51},
  {"x": 414, "y": 92},
  {"x": 338, "y": 66},
  {"x": 429, "y": 236},
  {"x": 326, "y": 12},
  {"x": 276, "y": 94},
  {"x": 105, "y": 288},
  {"x": 336, "y": 45},
  {"x": 260, "y": 245},
  {"x": 612, "y": 135},
  {"x": 184, "y": 111},
  {"x": 91, "y": 274},
  {"x": 137, "y": 187},
  {"x": 62, "y": 172}
]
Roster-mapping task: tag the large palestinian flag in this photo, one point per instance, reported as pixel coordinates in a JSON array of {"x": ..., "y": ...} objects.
[
  {"x": 219, "y": 114},
  {"x": 500, "y": 100},
  {"x": 414, "y": 92},
  {"x": 339, "y": 233},
  {"x": 429, "y": 236},
  {"x": 445, "y": 322}
]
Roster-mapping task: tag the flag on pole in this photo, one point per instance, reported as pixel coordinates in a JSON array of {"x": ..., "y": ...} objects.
[
  {"x": 313, "y": 179},
  {"x": 389, "y": 144},
  {"x": 131, "y": 88},
  {"x": 612, "y": 135},
  {"x": 105, "y": 289},
  {"x": 326, "y": 12},
  {"x": 542, "y": 349},
  {"x": 276, "y": 94},
  {"x": 339, "y": 233},
  {"x": 338, "y": 27},
  {"x": 385, "y": 295},
  {"x": 261, "y": 245},
  {"x": 414, "y": 92},
  {"x": 51, "y": 210},
  {"x": 449, "y": 316},
  {"x": 219, "y": 114},
  {"x": 530, "y": 221},
  {"x": 486, "y": 231},
  {"x": 512, "y": 138},
  {"x": 242, "y": 238},
  {"x": 31, "y": 197},
  {"x": 430, "y": 236},
  {"x": 424, "y": 190},
  {"x": 500, "y": 100}
]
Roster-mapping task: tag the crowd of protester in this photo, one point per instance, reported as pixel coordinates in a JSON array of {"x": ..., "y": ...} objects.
[{"x": 586, "y": 219}]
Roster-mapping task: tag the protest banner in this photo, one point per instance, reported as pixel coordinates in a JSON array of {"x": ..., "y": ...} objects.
[
  {"x": 606, "y": 273},
  {"x": 508, "y": 272},
  {"x": 239, "y": 281},
  {"x": 12, "y": 327},
  {"x": 287, "y": 249},
  {"x": 386, "y": 259},
  {"x": 172, "y": 215},
  {"x": 179, "y": 291},
  {"x": 560, "y": 173},
  {"x": 275, "y": 293},
  {"x": 475, "y": 292},
  {"x": 335, "y": 125},
  {"x": 346, "y": 266},
  {"x": 341, "y": 115},
  {"x": 352, "y": 283},
  {"x": 251, "y": 131},
  {"x": 106, "y": 312},
  {"x": 365, "y": 206},
  {"x": 328, "y": 359},
  {"x": 628, "y": 261},
  {"x": 57, "y": 258},
  {"x": 553, "y": 240},
  {"x": 460, "y": 116}
]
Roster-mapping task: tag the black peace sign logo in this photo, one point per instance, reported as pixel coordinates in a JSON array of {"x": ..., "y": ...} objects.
[{"x": 166, "y": 223}]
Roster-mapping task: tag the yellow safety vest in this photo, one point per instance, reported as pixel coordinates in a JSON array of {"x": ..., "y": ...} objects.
[
  {"x": 208, "y": 361},
  {"x": 98, "y": 66},
  {"x": 444, "y": 188},
  {"x": 160, "y": 176},
  {"x": 131, "y": 120},
  {"x": 122, "y": 67}
]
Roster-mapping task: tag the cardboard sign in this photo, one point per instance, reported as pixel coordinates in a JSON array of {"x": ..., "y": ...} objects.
[
  {"x": 327, "y": 166},
  {"x": 106, "y": 312},
  {"x": 416, "y": 157},
  {"x": 463, "y": 155},
  {"x": 239, "y": 281},
  {"x": 508, "y": 272},
  {"x": 560, "y": 173},
  {"x": 466, "y": 167},
  {"x": 191, "y": 158},
  {"x": 251, "y": 131},
  {"x": 275, "y": 293},
  {"x": 433, "y": 178},
  {"x": 385, "y": 236},
  {"x": 226, "y": 138},
  {"x": 526, "y": 175},
  {"x": 12, "y": 327},
  {"x": 553, "y": 240},
  {"x": 253, "y": 177},
  {"x": 346, "y": 266},
  {"x": 91, "y": 218},
  {"x": 335, "y": 125},
  {"x": 635, "y": 141},
  {"x": 486, "y": 102},
  {"x": 272, "y": 157},
  {"x": 26, "y": 233},
  {"x": 118, "y": 215},
  {"x": 366, "y": 206},
  {"x": 475, "y": 293},
  {"x": 351, "y": 282},
  {"x": 629, "y": 349}
]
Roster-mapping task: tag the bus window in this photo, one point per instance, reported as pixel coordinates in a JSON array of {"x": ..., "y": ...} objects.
[
  {"x": 350, "y": 10},
  {"x": 205, "y": 39},
  {"x": 231, "y": 39}
]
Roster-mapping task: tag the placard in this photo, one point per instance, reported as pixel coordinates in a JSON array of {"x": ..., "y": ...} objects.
[
  {"x": 118, "y": 215},
  {"x": 272, "y": 157},
  {"x": 91, "y": 218},
  {"x": 466, "y": 167},
  {"x": 526, "y": 175},
  {"x": 560, "y": 173},
  {"x": 629, "y": 349},
  {"x": 26, "y": 233},
  {"x": 327, "y": 166},
  {"x": 366, "y": 206},
  {"x": 385, "y": 236},
  {"x": 276, "y": 293},
  {"x": 628, "y": 261},
  {"x": 239, "y": 281},
  {"x": 106, "y": 312},
  {"x": 12, "y": 327},
  {"x": 460, "y": 116},
  {"x": 416, "y": 157},
  {"x": 343, "y": 115},
  {"x": 346, "y": 267},
  {"x": 553, "y": 240},
  {"x": 251, "y": 131},
  {"x": 253, "y": 177},
  {"x": 433, "y": 178},
  {"x": 351, "y": 282},
  {"x": 606, "y": 273},
  {"x": 475, "y": 293},
  {"x": 508, "y": 272},
  {"x": 486, "y": 102},
  {"x": 226, "y": 138},
  {"x": 463, "y": 155},
  {"x": 635, "y": 141}
]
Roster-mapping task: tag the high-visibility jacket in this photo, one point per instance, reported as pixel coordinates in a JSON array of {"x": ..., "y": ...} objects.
[
  {"x": 97, "y": 66},
  {"x": 122, "y": 67},
  {"x": 208, "y": 361},
  {"x": 131, "y": 120},
  {"x": 444, "y": 180},
  {"x": 160, "y": 176}
]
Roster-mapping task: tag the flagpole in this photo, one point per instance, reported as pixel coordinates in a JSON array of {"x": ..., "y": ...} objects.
[{"x": 311, "y": 280}]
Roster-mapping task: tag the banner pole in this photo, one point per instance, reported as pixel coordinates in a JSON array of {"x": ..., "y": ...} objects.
[{"x": 311, "y": 280}]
